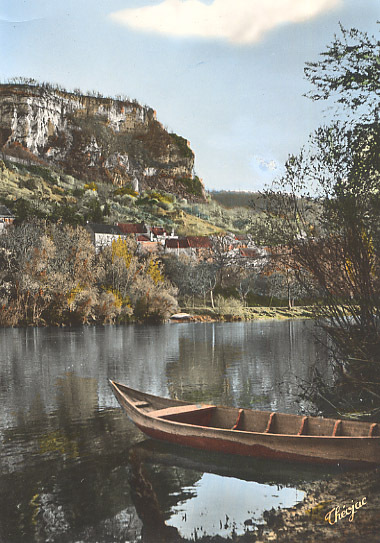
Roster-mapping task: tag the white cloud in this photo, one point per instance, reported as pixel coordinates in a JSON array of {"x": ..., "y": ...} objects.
[
  {"x": 266, "y": 165},
  {"x": 236, "y": 21}
]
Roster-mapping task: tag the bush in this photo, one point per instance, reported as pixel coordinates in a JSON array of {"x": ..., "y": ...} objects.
[
  {"x": 91, "y": 186},
  {"x": 156, "y": 308},
  {"x": 45, "y": 173},
  {"x": 77, "y": 192},
  {"x": 127, "y": 190},
  {"x": 229, "y": 308}
]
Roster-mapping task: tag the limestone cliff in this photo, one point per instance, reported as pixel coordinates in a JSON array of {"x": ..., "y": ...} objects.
[{"x": 95, "y": 138}]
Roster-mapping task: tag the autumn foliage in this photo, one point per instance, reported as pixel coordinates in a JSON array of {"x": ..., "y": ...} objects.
[{"x": 51, "y": 275}]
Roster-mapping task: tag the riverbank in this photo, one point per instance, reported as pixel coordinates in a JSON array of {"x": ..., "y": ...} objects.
[
  {"x": 195, "y": 314},
  {"x": 207, "y": 314},
  {"x": 319, "y": 516}
]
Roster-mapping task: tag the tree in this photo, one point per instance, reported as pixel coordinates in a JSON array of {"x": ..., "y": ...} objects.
[
  {"x": 349, "y": 72},
  {"x": 222, "y": 254},
  {"x": 192, "y": 278},
  {"x": 137, "y": 283},
  {"x": 45, "y": 270},
  {"x": 326, "y": 211}
]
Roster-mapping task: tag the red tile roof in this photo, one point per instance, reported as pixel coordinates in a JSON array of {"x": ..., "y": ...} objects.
[
  {"x": 158, "y": 231},
  {"x": 198, "y": 242},
  {"x": 180, "y": 243},
  {"x": 132, "y": 228}
]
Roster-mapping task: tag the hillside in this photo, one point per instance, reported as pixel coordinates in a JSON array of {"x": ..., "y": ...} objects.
[
  {"x": 77, "y": 158},
  {"x": 95, "y": 139},
  {"x": 30, "y": 190}
]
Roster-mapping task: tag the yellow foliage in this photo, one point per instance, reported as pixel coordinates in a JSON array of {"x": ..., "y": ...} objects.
[
  {"x": 120, "y": 301},
  {"x": 155, "y": 272},
  {"x": 91, "y": 186},
  {"x": 73, "y": 293},
  {"x": 120, "y": 249},
  {"x": 317, "y": 513},
  {"x": 368, "y": 247}
]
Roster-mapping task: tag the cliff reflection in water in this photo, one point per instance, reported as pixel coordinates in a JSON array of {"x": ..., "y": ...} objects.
[{"x": 67, "y": 473}]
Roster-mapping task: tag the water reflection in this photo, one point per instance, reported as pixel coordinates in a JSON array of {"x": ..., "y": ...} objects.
[
  {"x": 204, "y": 513},
  {"x": 70, "y": 470}
]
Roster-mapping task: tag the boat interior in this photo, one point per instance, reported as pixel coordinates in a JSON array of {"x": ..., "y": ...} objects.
[{"x": 247, "y": 420}]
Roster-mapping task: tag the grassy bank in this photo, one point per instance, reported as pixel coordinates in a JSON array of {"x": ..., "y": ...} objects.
[{"x": 250, "y": 313}]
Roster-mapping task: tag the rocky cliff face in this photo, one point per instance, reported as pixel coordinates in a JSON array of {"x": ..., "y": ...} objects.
[{"x": 95, "y": 138}]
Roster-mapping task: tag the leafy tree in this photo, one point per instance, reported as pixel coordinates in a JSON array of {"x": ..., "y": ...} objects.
[
  {"x": 118, "y": 267},
  {"x": 349, "y": 72},
  {"x": 326, "y": 211}
]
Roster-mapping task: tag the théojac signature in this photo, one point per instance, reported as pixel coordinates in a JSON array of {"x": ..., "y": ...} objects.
[{"x": 338, "y": 513}]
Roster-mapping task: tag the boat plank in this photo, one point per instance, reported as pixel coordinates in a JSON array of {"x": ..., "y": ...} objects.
[{"x": 179, "y": 410}]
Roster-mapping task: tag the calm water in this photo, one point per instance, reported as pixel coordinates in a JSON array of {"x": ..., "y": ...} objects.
[{"x": 75, "y": 469}]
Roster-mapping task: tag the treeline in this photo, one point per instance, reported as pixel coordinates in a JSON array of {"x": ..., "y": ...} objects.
[
  {"x": 56, "y": 87},
  {"x": 231, "y": 198},
  {"x": 51, "y": 275}
]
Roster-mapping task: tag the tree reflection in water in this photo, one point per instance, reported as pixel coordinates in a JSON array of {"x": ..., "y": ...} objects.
[{"x": 65, "y": 470}]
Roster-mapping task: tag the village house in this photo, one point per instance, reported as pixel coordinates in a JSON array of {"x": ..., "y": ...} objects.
[
  {"x": 134, "y": 229},
  {"x": 146, "y": 246},
  {"x": 200, "y": 246},
  {"x": 192, "y": 246},
  {"x": 160, "y": 234},
  {"x": 102, "y": 235},
  {"x": 6, "y": 217},
  {"x": 177, "y": 246},
  {"x": 149, "y": 239}
]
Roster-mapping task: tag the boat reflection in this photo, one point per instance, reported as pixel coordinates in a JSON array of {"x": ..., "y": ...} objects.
[
  {"x": 245, "y": 468},
  {"x": 184, "y": 494}
]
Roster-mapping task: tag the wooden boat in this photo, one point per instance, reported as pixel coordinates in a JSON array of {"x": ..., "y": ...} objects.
[{"x": 252, "y": 433}]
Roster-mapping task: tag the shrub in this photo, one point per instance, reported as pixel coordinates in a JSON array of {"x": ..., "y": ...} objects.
[
  {"x": 156, "y": 308},
  {"x": 229, "y": 308},
  {"x": 91, "y": 186},
  {"x": 77, "y": 192},
  {"x": 127, "y": 190},
  {"x": 45, "y": 173}
]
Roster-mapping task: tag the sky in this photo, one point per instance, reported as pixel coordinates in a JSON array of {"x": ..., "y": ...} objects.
[{"x": 225, "y": 74}]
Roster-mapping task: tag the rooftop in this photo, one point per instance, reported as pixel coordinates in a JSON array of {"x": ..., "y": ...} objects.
[
  {"x": 4, "y": 212},
  {"x": 132, "y": 228},
  {"x": 180, "y": 243},
  {"x": 104, "y": 229},
  {"x": 199, "y": 242}
]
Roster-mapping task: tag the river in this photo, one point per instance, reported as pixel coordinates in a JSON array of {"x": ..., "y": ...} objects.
[{"x": 75, "y": 469}]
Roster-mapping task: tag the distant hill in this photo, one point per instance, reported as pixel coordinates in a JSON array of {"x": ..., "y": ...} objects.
[{"x": 231, "y": 199}]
